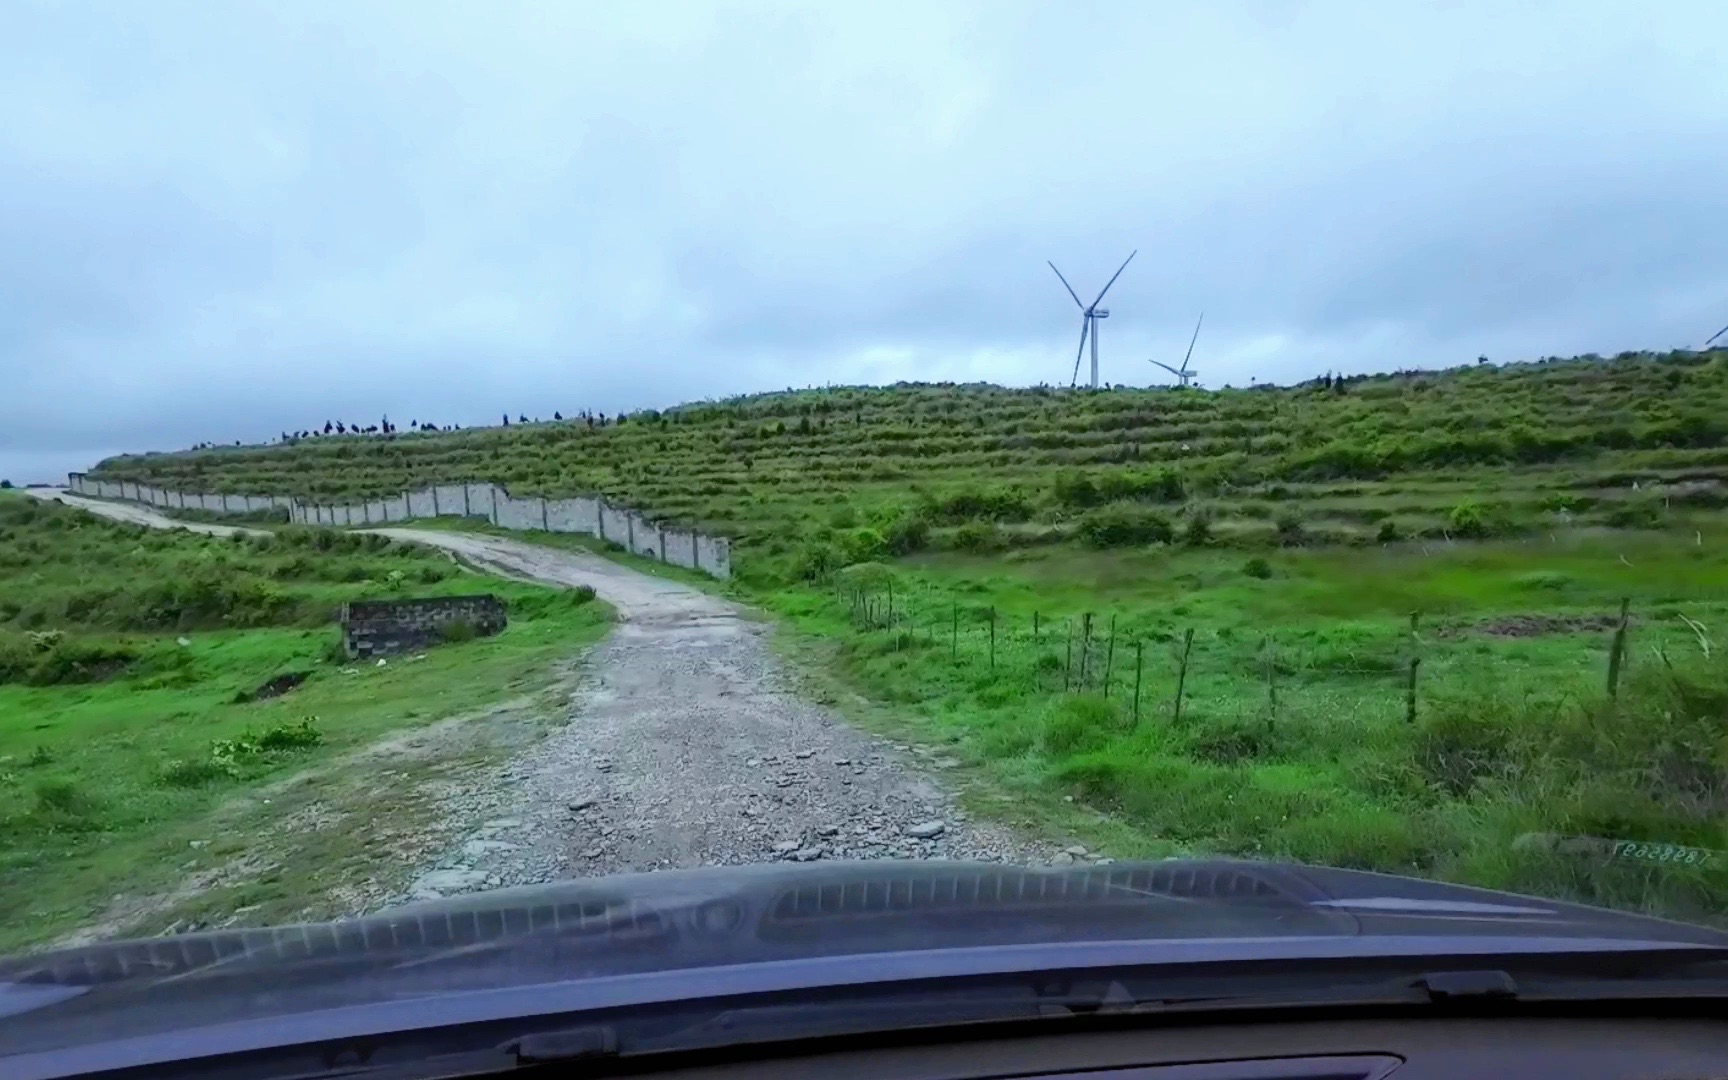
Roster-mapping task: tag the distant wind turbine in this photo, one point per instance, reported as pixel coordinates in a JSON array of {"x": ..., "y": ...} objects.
[
  {"x": 1716, "y": 335},
  {"x": 1183, "y": 374},
  {"x": 1089, "y": 316}
]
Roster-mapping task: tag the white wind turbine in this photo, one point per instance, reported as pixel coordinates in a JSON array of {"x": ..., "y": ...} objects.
[
  {"x": 1184, "y": 374},
  {"x": 1089, "y": 316}
]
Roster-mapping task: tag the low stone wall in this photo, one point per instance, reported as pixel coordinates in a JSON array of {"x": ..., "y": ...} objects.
[
  {"x": 589, "y": 515},
  {"x": 388, "y": 627}
]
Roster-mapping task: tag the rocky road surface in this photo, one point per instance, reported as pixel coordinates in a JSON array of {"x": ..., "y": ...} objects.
[{"x": 685, "y": 747}]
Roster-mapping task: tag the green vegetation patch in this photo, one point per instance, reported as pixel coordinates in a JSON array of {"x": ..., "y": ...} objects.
[{"x": 131, "y": 665}]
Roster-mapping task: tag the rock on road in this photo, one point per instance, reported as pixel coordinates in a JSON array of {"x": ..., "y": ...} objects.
[{"x": 684, "y": 747}]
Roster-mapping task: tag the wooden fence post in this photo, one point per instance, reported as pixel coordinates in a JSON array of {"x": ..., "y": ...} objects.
[
  {"x": 992, "y": 637},
  {"x": 1068, "y": 664},
  {"x": 1410, "y": 691},
  {"x": 1085, "y": 646},
  {"x": 1271, "y": 662},
  {"x": 954, "y": 646},
  {"x": 1182, "y": 672},
  {"x": 1109, "y": 656},
  {"x": 1138, "y": 645},
  {"x": 1034, "y": 629},
  {"x": 1617, "y": 650}
]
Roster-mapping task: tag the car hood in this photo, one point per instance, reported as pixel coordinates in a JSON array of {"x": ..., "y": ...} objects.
[{"x": 887, "y": 919}]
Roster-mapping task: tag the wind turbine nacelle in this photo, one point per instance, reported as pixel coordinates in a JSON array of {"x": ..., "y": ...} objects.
[{"x": 1101, "y": 313}]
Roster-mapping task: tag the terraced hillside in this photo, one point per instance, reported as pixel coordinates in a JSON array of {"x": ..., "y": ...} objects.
[
  {"x": 1404, "y": 622},
  {"x": 1472, "y": 451}
]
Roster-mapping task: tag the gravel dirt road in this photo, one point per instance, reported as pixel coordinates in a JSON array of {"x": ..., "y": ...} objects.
[{"x": 685, "y": 747}]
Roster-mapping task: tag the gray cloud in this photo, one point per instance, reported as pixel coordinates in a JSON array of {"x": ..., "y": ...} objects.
[{"x": 220, "y": 221}]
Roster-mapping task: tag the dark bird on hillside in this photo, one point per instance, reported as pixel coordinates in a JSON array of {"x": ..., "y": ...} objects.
[
  {"x": 327, "y": 427},
  {"x": 523, "y": 418},
  {"x": 506, "y": 419},
  {"x": 557, "y": 415}
]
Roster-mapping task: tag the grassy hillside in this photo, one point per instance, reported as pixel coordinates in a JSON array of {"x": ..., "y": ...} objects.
[
  {"x": 1472, "y": 451},
  {"x": 995, "y": 571},
  {"x": 129, "y": 658}
]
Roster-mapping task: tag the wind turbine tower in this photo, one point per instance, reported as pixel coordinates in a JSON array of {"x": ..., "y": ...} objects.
[{"x": 1089, "y": 316}]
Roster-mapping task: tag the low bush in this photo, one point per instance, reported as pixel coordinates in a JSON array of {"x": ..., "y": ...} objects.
[
  {"x": 1478, "y": 521},
  {"x": 457, "y": 631},
  {"x": 50, "y": 658},
  {"x": 977, "y": 537},
  {"x": 1122, "y": 525},
  {"x": 1197, "y": 530},
  {"x": 1635, "y": 514}
]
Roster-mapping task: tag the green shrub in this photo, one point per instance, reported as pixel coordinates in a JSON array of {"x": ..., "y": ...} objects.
[
  {"x": 1478, "y": 521},
  {"x": 1542, "y": 581},
  {"x": 582, "y": 594},
  {"x": 1459, "y": 742},
  {"x": 816, "y": 560},
  {"x": 50, "y": 658},
  {"x": 299, "y": 735},
  {"x": 457, "y": 631},
  {"x": 905, "y": 532},
  {"x": 57, "y": 796},
  {"x": 1257, "y": 568},
  {"x": 1122, "y": 525},
  {"x": 1079, "y": 723},
  {"x": 978, "y": 537},
  {"x": 189, "y": 774},
  {"x": 1635, "y": 514},
  {"x": 1290, "y": 530},
  {"x": 864, "y": 545},
  {"x": 1197, "y": 530},
  {"x": 1388, "y": 532}
]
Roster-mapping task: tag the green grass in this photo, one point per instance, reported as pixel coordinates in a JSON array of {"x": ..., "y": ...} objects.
[
  {"x": 1513, "y": 735},
  {"x": 108, "y": 775}
]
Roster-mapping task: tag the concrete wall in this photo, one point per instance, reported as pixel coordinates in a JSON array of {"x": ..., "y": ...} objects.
[
  {"x": 519, "y": 513},
  {"x": 591, "y": 516},
  {"x": 420, "y": 504},
  {"x": 573, "y": 515},
  {"x": 680, "y": 548},
  {"x": 448, "y": 499},
  {"x": 714, "y": 556},
  {"x": 614, "y": 524},
  {"x": 644, "y": 537}
]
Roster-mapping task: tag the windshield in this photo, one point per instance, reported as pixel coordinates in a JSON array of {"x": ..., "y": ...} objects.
[{"x": 442, "y": 454}]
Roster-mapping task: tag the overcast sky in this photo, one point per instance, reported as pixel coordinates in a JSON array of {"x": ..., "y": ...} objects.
[{"x": 222, "y": 219}]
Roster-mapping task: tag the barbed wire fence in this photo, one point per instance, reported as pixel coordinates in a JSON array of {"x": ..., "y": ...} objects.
[{"x": 1143, "y": 673}]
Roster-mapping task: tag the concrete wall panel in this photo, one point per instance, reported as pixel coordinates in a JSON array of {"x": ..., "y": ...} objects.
[
  {"x": 573, "y": 515},
  {"x": 520, "y": 513},
  {"x": 480, "y": 498},
  {"x": 448, "y": 499},
  {"x": 420, "y": 504}
]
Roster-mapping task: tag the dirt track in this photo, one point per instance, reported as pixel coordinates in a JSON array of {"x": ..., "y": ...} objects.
[{"x": 684, "y": 748}]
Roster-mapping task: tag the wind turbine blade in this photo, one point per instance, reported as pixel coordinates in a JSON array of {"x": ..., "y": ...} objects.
[
  {"x": 1065, "y": 284},
  {"x": 1716, "y": 335},
  {"x": 1114, "y": 276},
  {"x": 1192, "y": 340},
  {"x": 1166, "y": 367},
  {"x": 1085, "y": 325}
]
